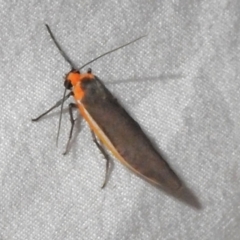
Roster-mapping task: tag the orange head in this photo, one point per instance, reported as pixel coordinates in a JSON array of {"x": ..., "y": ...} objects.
[{"x": 73, "y": 80}]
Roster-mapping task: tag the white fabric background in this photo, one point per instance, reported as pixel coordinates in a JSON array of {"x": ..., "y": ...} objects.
[{"x": 181, "y": 83}]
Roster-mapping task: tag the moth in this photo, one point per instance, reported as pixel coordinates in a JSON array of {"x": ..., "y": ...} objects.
[{"x": 111, "y": 125}]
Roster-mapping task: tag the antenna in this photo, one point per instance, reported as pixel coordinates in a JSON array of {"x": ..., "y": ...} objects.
[
  {"x": 93, "y": 60},
  {"x": 113, "y": 50},
  {"x": 60, "y": 49},
  {"x": 60, "y": 117}
]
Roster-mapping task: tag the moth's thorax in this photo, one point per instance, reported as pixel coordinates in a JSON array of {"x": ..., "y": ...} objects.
[{"x": 75, "y": 78}]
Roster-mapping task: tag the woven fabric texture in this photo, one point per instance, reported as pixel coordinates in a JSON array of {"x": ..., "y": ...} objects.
[{"x": 181, "y": 83}]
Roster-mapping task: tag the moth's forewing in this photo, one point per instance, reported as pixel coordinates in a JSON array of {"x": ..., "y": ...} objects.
[{"x": 123, "y": 135}]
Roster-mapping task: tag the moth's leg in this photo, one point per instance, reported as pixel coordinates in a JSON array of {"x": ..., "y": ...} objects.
[
  {"x": 103, "y": 151},
  {"x": 72, "y": 120},
  {"x": 57, "y": 104}
]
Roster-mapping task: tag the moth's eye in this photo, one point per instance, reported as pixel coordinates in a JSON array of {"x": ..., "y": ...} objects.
[
  {"x": 67, "y": 84},
  {"x": 89, "y": 70}
]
